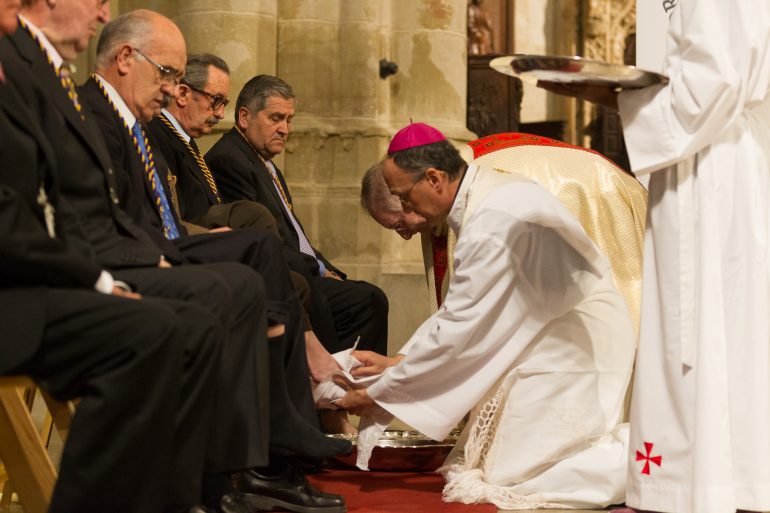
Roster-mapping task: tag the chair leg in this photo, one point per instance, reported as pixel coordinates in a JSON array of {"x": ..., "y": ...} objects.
[
  {"x": 61, "y": 413},
  {"x": 32, "y": 473}
]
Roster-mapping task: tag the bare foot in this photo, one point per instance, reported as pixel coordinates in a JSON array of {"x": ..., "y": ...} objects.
[{"x": 336, "y": 421}]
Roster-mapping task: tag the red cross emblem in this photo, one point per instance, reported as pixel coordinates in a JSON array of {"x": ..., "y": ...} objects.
[{"x": 648, "y": 458}]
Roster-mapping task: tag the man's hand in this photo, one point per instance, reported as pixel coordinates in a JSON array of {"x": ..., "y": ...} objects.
[
  {"x": 603, "y": 95},
  {"x": 120, "y": 292},
  {"x": 356, "y": 402},
  {"x": 221, "y": 229},
  {"x": 332, "y": 275},
  {"x": 373, "y": 363}
]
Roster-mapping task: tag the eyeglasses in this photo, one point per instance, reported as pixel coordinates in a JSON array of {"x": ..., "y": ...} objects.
[
  {"x": 217, "y": 100},
  {"x": 404, "y": 196},
  {"x": 167, "y": 73}
]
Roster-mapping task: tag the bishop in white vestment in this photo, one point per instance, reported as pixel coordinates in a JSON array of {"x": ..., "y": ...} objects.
[{"x": 533, "y": 338}]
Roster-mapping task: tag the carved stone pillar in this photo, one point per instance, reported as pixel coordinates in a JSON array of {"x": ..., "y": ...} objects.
[
  {"x": 429, "y": 45},
  {"x": 242, "y": 32}
]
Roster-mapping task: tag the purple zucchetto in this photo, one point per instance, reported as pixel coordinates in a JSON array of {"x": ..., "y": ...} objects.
[{"x": 412, "y": 135}]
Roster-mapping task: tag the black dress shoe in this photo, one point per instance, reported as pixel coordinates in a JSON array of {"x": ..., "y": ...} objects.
[
  {"x": 200, "y": 509},
  {"x": 233, "y": 502},
  {"x": 288, "y": 490}
]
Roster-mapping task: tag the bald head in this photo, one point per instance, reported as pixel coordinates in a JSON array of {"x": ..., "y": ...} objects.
[
  {"x": 143, "y": 29},
  {"x": 143, "y": 55}
]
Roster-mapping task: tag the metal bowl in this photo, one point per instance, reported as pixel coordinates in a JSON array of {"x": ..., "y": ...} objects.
[{"x": 402, "y": 451}]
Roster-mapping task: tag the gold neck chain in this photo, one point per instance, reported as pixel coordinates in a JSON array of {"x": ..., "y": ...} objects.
[{"x": 198, "y": 158}]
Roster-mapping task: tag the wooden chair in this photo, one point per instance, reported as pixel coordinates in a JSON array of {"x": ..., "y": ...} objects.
[{"x": 22, "y": 449}]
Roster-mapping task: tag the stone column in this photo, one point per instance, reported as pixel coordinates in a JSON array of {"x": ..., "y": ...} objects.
[
  {"x": 329, "y": 52},
  {"x": 429, "y": 46},
  {"x": 242, "y": 32}
]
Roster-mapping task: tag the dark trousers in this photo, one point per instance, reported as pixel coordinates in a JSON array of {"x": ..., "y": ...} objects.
[
  {"x": 125, "y": 359},
  {"x": 355, "y": 308},
  {"x": 262, "y": 252},
  {"x": 236, "y": 296}
]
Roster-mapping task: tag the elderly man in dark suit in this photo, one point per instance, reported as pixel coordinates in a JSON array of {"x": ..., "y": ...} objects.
[
  {"x": 79, "y": 334},
  {"x": 235, "y": 293},
  {"x": 125, "y": 92},
  {"x": 198, "y": 105},
  {"x": 241, "y": 163}
]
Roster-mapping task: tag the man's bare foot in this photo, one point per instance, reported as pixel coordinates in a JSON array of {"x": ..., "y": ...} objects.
[{"x": 336, "y": 421}]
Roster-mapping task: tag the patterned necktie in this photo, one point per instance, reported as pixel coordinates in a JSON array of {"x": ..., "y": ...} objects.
[
  {"x": 65, "y": 77},
  {"x": 170, "y": 230},
  {"x": 304, "y": 243}
]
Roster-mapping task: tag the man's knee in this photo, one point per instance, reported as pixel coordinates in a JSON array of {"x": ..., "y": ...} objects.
[{"x": 244, "y": 286}]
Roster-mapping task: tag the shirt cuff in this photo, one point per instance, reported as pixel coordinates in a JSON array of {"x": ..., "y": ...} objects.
[
  {"x": 105, "y": 283},
  {"x": 321, "y": 268}
]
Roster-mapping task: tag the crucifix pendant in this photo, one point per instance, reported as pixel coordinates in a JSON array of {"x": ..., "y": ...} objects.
[{"x": 48, "y": 212}]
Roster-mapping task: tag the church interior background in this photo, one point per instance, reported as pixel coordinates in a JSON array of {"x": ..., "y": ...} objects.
[{"x": 330, "y": 51}]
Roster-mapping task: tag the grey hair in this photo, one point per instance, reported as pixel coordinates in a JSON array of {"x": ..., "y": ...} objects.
[
  {"x": 196, "y": 73},
  {"x": 255, "y": 93},
  {"x": 375, "y": 195},
  {"x": 134, "y": 28}
]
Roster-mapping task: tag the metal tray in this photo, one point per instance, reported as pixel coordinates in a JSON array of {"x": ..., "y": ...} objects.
[
  {"x": 402, "y": 451},
  {"x": 575, "y": 70}
]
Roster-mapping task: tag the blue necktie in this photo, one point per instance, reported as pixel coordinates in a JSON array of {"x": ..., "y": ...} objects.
[{"x": 170, "y": 230}]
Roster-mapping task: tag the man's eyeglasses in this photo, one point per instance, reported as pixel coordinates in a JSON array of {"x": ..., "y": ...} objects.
[
  {"x": 167, "y": 73},
  {"x": 404, "y": 196},
  {"x": 217, "y": 100}
]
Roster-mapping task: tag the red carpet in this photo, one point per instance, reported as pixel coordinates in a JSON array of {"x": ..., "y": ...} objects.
[{"x": 392, "y": 492}]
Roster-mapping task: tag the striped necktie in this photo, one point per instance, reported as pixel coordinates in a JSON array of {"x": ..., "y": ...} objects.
[
  {"x": 304, "y": 244},
  {"x": 170, "y": 230}
]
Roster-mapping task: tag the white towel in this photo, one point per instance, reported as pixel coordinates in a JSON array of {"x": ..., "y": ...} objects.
[{"x": 373, "y": 424}]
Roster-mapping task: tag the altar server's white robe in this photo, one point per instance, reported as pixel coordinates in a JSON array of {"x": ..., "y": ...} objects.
[
  {"x": 700, "y": 417},
  {"x": 535, "y": 336}
]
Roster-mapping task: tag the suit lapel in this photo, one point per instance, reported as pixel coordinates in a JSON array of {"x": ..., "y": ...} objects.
[
  {"x": 14, "y": 108},
  {"x": 260, "y": 169},
  {"x": 31, "y": 53},
  {"x": 189, "y": 160}
]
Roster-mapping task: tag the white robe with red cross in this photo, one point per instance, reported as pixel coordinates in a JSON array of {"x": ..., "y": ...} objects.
[{"x": 700, "y": 413}]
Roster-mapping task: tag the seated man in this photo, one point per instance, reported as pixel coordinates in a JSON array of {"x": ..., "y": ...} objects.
[
  {"x": 143, "y": 369},
  {"x": 241, "y": 163},
  {"x": 533, "y": 337},
  {"x": 610, "y": 205},
  {"x": 199, "y": 104}
]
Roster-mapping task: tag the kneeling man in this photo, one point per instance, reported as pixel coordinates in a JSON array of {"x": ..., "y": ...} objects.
[{"x": 533, "y": 338}]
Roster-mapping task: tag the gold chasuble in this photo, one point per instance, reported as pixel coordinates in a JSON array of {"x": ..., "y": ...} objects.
[{"x": 610, "y": 204}]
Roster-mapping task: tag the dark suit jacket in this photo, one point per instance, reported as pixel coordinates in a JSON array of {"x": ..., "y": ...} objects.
[
  {"x": 241, "y": 174},
  {"x": 87, "y": 179},
  {"x": 194, "y": 193},
  {"x": 134, "y": 191},
  {"x": 29, "y": 258}
]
